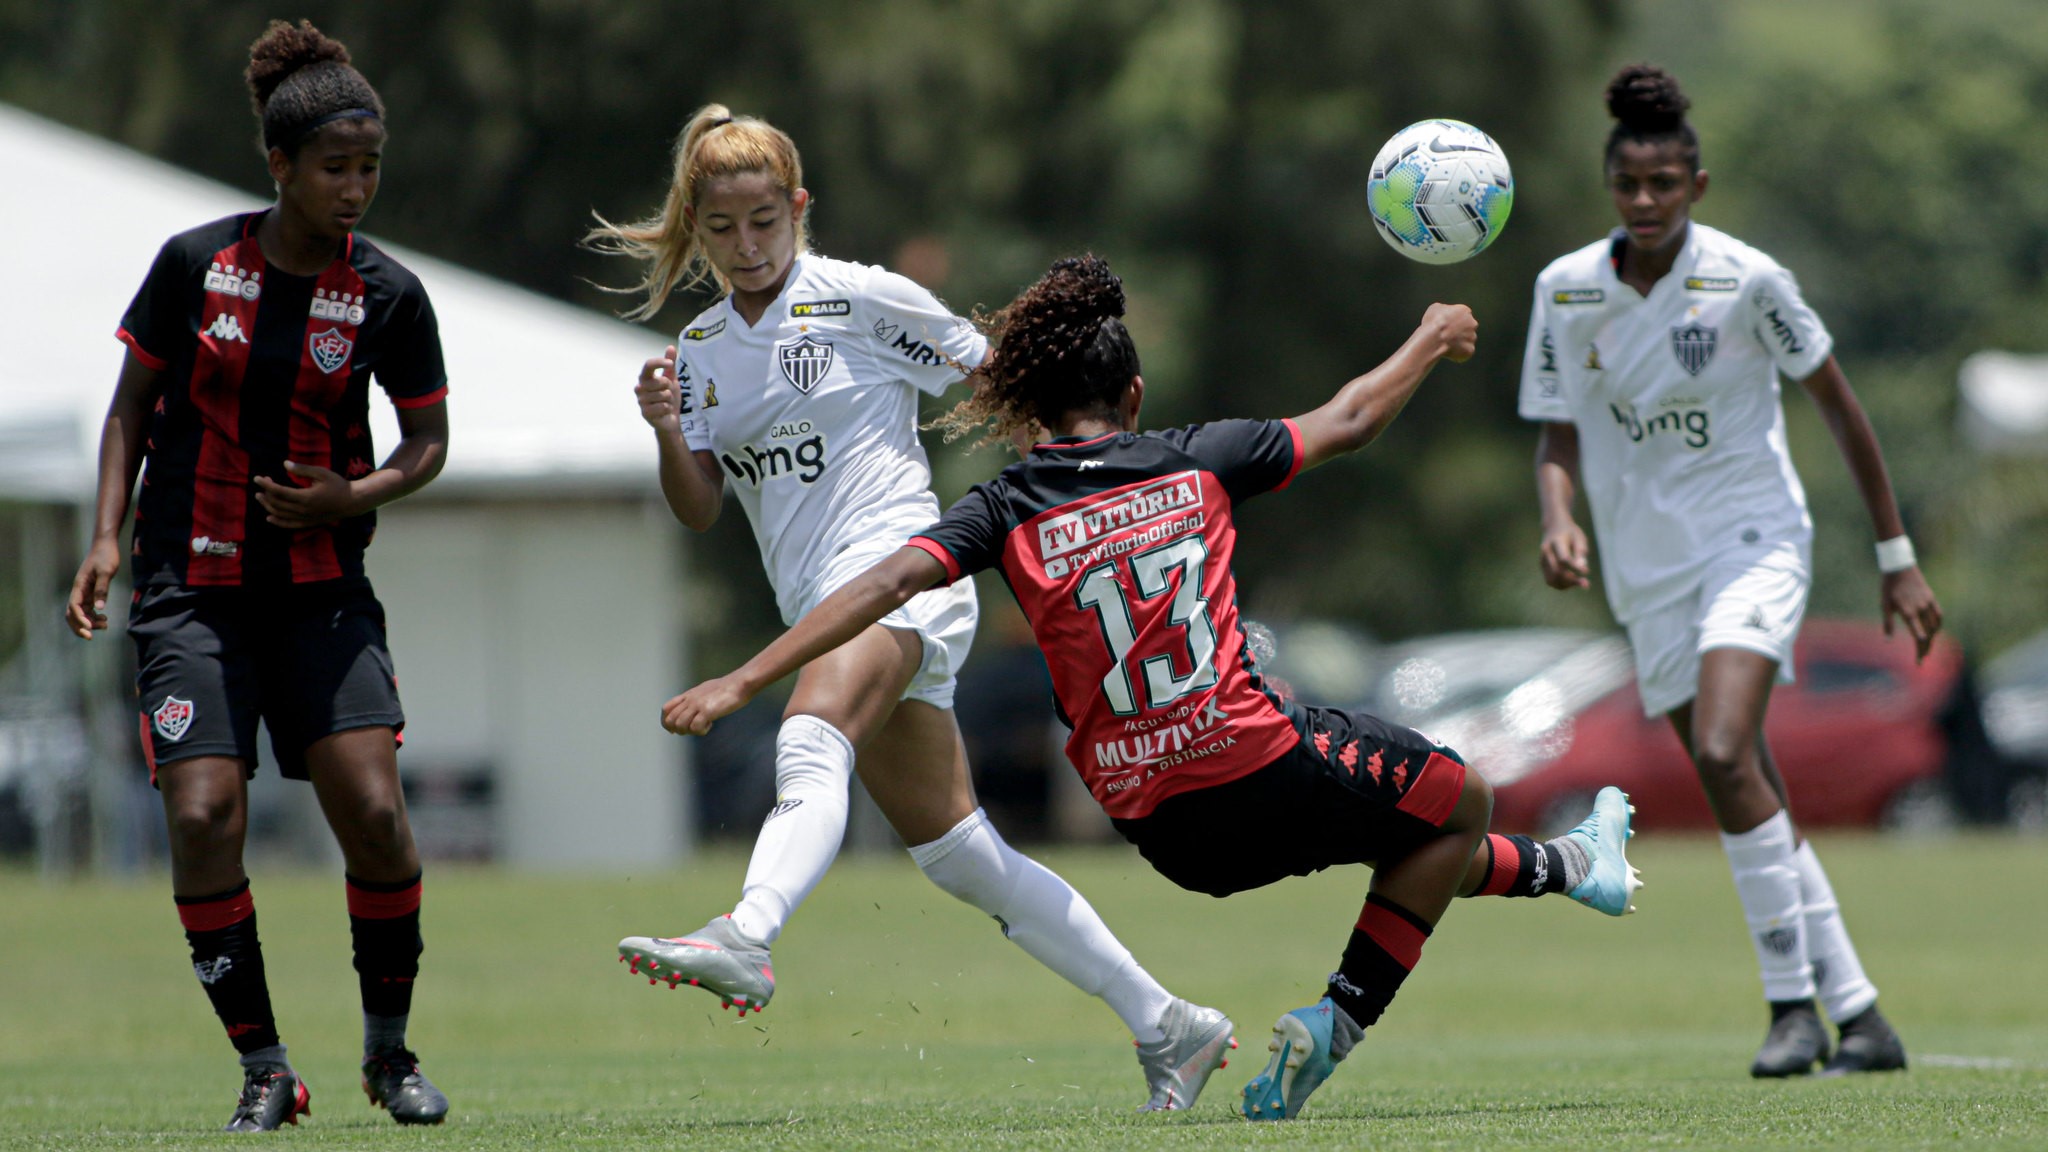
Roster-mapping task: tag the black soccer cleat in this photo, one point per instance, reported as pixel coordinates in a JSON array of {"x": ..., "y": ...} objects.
[
  {"x": 272, "y": 1097},
  {"x": 393, "y": 1082},
  {"x": 1796, "y": 1042},
  {"x": 1869, "y": 1044}
]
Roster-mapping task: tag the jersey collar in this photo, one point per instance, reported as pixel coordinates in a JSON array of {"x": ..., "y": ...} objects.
[
  {"x": 1688, "y": 256},
  {"x": 1065, "y": 442},
  {"x": 769, "y": 329}
]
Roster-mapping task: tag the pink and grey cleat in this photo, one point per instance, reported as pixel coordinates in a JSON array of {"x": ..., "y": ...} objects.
[
  {"x": 1198, "y": 1041},
  {"x": 715, "y": 958}
]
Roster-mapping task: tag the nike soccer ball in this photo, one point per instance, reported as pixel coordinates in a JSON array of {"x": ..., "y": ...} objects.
[{"x": 1440, "y": 191}]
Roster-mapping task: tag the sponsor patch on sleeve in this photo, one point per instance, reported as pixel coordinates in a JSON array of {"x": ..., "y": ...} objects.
[{"x": 1578, "y": 296}]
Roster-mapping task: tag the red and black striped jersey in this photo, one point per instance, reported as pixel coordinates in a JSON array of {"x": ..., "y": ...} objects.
[
  {"x": 257, "y": 366},
  {"x": 1118, "y": 550}
]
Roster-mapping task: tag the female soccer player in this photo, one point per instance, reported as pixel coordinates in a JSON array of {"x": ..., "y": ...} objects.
[
  {"x": 800, "y": 387},
  {"x": 246, "y": 388},
  {"x": 1117, "y": 546},
  {"x": 1652, "y": 367}
]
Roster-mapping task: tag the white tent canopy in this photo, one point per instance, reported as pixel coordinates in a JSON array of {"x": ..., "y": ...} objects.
[
  {"x": 539, "y": 391},
  {"x": 2004, "y": 407}
]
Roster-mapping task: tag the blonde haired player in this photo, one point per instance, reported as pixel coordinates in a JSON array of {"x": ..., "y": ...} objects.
[
  {"x": 799, "y": 389},
  {"x": 1652, "y": 366}
]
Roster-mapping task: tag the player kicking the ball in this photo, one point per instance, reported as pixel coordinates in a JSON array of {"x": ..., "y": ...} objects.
[{"x": 1117, "y": 546}]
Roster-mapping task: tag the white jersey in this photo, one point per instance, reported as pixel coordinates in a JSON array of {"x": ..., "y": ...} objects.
[
  {"x": 1675, "y": 394},
  {"x": 813, "y": 413}
]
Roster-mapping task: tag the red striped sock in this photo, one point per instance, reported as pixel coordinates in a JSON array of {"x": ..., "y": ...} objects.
[{"x": 1385, "y": 946}]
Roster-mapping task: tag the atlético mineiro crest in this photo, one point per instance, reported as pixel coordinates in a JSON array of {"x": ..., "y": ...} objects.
[
  {"x": 172, "y": 718},
  {"x": 1694, "y": 346},
  {"x": 330, "y": 349},
  {"x": 805, "y": 362}
]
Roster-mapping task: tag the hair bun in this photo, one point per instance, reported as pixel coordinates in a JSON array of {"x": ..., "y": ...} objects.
[
  {"x": 285, "y": 48},
  {"x": 1646, "y": 99},
  {"x": 1088, "y": 282}
]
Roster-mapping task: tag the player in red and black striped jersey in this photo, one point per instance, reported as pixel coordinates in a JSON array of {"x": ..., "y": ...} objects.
[
  {"x": 245, "y": 390},
  {"x": 1117, "y": 546}
]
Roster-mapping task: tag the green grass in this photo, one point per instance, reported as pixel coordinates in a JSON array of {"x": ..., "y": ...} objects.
[{"x": 906, "y": 1021}]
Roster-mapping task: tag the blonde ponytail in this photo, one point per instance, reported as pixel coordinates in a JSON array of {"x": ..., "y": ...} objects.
[{"x": 715, "y": 143}]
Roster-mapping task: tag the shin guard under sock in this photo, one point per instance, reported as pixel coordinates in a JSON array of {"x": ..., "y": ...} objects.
[
  {"x": 228, "y": 960},
  {"x": 1384, "y": 948},
  {"x": 384, "y": 924}
]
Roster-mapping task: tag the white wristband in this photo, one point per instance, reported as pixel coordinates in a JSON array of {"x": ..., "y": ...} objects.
[{"x": 1895, "y": 555}]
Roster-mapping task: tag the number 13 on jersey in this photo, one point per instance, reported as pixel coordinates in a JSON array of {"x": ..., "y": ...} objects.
[{"x": 1101, "y": 592}]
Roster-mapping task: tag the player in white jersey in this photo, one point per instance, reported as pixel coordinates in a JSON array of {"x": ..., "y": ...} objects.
[
  {"x": 1652, "y": 366},
  {"x": 799, "y": 390}
]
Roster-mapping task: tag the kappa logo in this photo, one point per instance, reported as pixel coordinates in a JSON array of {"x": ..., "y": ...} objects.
[
  {"x": 343, "y": 306},
  {"x": 210, "y": 971},
  {"x": 232, "y": 281},
  {"x": 228, "y": 327},
  {"x": 708, "y": 332},
  {"x": 1712, "y": 283},
  {"x": 1578, "y": 296},
  {"x": 805, "y": 361},
  {"x": 1694, "y": 346},
  {"x": 330, "y": 349},
  {"x": 822, "y": 308},
  {"x": 172, "y": 718}
]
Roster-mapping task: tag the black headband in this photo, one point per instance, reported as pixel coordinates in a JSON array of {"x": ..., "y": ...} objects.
[{"x": 300, "y": 133}]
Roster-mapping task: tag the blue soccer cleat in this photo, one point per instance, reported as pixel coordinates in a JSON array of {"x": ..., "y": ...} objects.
[
  {"x": 1301, "y": 1062},
  {"x": 1610, "y": 882}
]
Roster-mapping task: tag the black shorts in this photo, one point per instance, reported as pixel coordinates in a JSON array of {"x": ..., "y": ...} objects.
[
  {"x": 1354, "y": 790},
  {"x": 308, "y": 660}
]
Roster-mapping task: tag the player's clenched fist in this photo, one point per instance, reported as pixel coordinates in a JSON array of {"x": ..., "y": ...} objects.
[
  {"x": 660, "y": 400},
  {"x": 1456, "y": 327},
  {"x": 693, "y": 713}
]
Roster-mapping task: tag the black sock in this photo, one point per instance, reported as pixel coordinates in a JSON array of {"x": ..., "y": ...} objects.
[
  {"x": 1522, "y": 867},
  {"x": 1384, "y": 948},
  {"x": 229, "y": 963},
  {"x": 384, "y": 924}
]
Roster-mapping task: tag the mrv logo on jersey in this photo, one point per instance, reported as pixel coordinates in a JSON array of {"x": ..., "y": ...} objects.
[
  {"x": 804, "y": 459},
  {"x": 1121, "y": 520}
]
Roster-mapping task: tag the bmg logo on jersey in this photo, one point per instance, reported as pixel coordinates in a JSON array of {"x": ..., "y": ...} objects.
[
  {"x": 805, "y": 459},
  {"x": 1690, "y": 423}
]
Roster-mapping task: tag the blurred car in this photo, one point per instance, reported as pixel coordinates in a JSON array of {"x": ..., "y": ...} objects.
[
  {"x": 1551, "y": 715},
  {"x": 2015, "y": 710}
]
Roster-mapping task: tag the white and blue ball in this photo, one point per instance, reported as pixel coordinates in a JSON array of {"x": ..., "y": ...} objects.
[{"x": 1440, "y": 191}]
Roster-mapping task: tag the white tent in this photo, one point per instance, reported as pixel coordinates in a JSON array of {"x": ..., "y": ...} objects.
[
  {"x": 2004, "y": 409},
  {"x": 506, "y": 580}
]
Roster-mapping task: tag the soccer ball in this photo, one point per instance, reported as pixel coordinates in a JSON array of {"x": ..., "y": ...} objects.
[{"x": 1440, "y": 191}]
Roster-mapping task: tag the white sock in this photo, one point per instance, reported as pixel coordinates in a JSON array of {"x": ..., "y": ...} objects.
[
  {"x": 813, "y": 770},
  {"x": 1844, "y": 990},
  {"x": 1767, "y": 881},
  {"x": 1043, "y": 915}
]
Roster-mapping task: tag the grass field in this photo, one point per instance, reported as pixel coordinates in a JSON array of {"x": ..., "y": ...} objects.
[{"x": 906, "y": 1021}]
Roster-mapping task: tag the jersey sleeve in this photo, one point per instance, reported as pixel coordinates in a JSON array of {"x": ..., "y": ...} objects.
[
  {"x": 161, "y": 322},
  {"x": 969, "y": 537},
  {"x": 1248, "y": 456},
  {"x": 696, "y": 425},
  {"x": 1786, "y": 327},
  {"x": 1542, "y": 394},
  {"x": 917, "y": 336},
  {"x": 411, "y": 370}
]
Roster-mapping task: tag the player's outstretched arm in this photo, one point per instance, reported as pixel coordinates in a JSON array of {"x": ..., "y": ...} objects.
[
  {"x": 1363, "y": 408},
  {"x": 122, "y": 440},
  {"x": 1905, "y": 593},
  {"x": 842, "y": 616}
]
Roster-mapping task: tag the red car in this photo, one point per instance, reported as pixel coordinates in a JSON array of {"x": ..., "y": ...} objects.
[{"x": 1551, "y": 715}]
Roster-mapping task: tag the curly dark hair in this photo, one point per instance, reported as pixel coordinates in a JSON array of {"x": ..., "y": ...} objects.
[
  {"x": 1059, "y": 348},
  {"x": 1647, "y": 105},
  {"x": 300, "y": 79}
]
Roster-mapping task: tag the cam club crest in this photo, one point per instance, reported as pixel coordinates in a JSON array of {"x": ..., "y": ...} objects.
[
  {"x": 330, "y": 349},
  {"x": 805, "y": 362},
  {"x": 172, "y": 718},
  {"x": 1694, "y": 346}
]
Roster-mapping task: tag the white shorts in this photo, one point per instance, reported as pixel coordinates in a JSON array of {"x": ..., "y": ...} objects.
[
  {"x": 943, "y": 620},
  {"x": 1754, "y": 599}
]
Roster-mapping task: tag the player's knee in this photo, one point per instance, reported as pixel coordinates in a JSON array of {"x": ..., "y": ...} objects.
[
  {"x": 378, "y": 832},
  {"x": 202, "y": 826},
  {"x": 1720, "y": 765},
  {"x": 1474, "y": 810}
]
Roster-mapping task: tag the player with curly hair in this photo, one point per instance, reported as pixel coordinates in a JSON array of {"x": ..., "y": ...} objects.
[
  {"x": 245, "y": 390},
  {"x": 1652, "y": 368},
  {"x": 1117, "y": 545}
]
